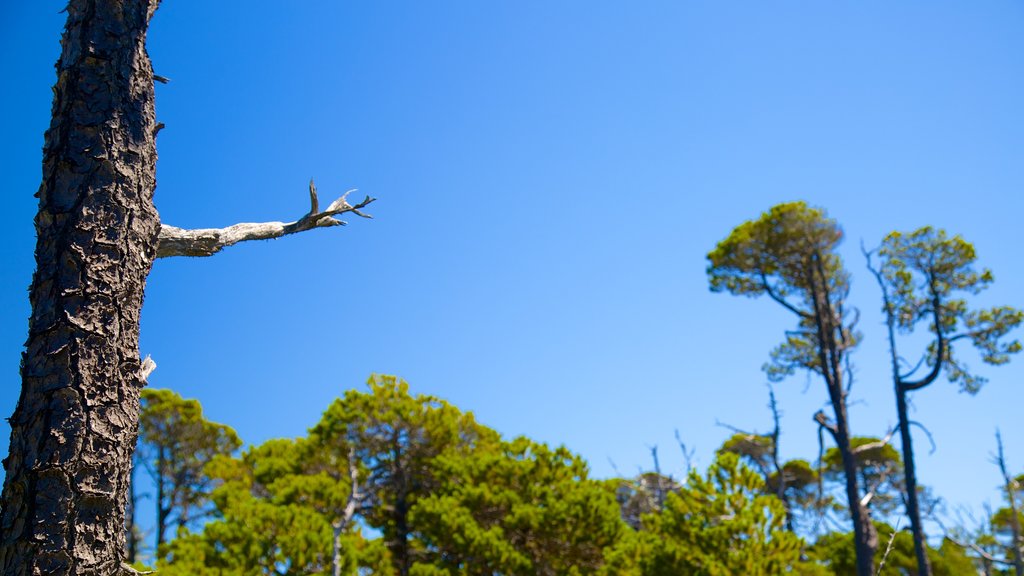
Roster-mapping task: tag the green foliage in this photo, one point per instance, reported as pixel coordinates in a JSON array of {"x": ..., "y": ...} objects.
[
  {"x": 924, "y": 273},
  {"x": 835, "y": 551},
  {"x": 642, "y": 495},
  {"x": 273, "y": 519},
  {"x": 719, "y": 524},
  {"x": 880, "y": 471},
  {"x": 520, "y": 508},
  {"x": 175, "y": 444},
  {"x": 755, "y": 449},
  {"x": 800, "y": 492},
  {"x": 789, "y": 253},
  {"x": 396, "y": 439}
]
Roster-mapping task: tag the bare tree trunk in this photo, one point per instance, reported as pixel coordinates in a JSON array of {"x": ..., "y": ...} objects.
[
  {"x": 131, "y": 530},
  {"x": 865, "y": 536},
  {"x": 902, "y": 388},
  {"x": 910, "y": 478},
  {"x": 1011, "y": 495},
  {"x": 162, "y": 512},
  {"x": 73, "y": 431},
  {"x": 780, "y": 483},
  {"x": 75, "y": 426},
  {"x": 830, "y": 353}
]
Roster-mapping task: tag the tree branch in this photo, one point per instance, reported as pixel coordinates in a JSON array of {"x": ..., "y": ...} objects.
[
  {"x": 824, "y": 423},
  {"x": 774, "y": 296},
  {"x": 875, "y": 445},
  {"x": 175, "y": 241},
  {"x": 940, "y": 345}
]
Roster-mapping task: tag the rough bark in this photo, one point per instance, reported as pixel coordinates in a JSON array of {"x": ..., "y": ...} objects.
[{"x": 74, "y": 428}]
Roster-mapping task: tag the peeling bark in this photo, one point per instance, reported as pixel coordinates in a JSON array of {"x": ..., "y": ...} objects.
[{"x": 74, "y": 428}]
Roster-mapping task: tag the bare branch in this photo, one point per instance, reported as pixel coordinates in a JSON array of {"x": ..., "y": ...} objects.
[
  {"x": 1017, "y": 541},
  {"x": 175, "y": 241},
  {"x": 687, "y": 454},
  {"x": 775, "y": 296},
  {"x": 825, "y": 423},
  {"x": 927, "y": 433},
  {"x": 735, "y": 429}
]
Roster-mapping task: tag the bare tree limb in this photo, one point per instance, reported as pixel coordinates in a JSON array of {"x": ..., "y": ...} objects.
[
  {"x": 687, "y": 454},
  {"x": 175, "y": 241},
  {"x": 1010, "y": 485},
  {"x": 778, "y": 298},
  {"x": 927, "y": 433},
  {"x": 825, "y": 423},
  {"x": 879, "y": 444}
]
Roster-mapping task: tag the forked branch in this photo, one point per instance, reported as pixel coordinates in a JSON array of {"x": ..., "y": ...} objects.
[{"x": 175, "y": 241}]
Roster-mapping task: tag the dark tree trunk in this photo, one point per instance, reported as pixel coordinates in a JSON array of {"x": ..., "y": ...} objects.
[
  {"x": 131, "y": 530},
  {"x": 830, "y": 354},
  {"x": 1009, "y": 484},
  {"x": 865, "y": 536},
  {"x": 74, "y": 428},
  {"x": 162, "y": 512},
  {"x": 910, "y": 478}
]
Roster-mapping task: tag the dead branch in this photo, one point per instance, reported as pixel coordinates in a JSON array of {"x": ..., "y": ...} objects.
[{"x": 175, "y": 241}]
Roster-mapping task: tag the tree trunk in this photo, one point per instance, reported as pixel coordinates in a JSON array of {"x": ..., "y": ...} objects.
[
  {"x": 1016, "y": 542},
  {"x": 830, "y": 354},
  {"x": 910, "y": 478},
  {"x": 162, "y": 512},
  {"x": 131, "y": 530},
  {"x": 73, "y": 431},
  {"x": 864, "y": 535}
]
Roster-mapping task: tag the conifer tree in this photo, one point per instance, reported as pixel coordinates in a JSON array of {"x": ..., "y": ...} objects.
[
  {"x": 789, "y": 254},
  {"x": 923, "y": 276}
]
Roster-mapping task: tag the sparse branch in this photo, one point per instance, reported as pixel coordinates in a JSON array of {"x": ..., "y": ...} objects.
[
  {"x": 931, "y": 440},
  {"x": 175, "y": 241},
  {"x": 825, "y": 423},
  {"x": 735, "y": 429},
  {"x": 981, "y": 552},
  {"x": 879, "y": 444},
  {"x": 687, "y": 453},
  {"x": 1010, "y": 485},
  {"x": 775, "y": 296}
]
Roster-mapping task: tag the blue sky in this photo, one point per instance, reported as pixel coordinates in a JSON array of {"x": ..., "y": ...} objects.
[{"x": 550, "y": 178}]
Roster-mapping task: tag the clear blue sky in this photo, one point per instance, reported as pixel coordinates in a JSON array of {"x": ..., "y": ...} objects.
[{"x": 551, "y": 176}]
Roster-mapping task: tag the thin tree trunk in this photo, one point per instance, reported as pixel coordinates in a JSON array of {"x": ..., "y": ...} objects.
[
  {"x": 73, "y": 431},
  {"x": 1011, "y": 495},
  {"x": 131, "y": 530},
  {"x": 162, "y": 512},
  {"x": 865, "y": 536},
  {"x": 906, "y": 440},
  {"x": 830, "y": 356},
  {"x": 780, "y": 484},
  {"x": 910, "y": 478}
]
